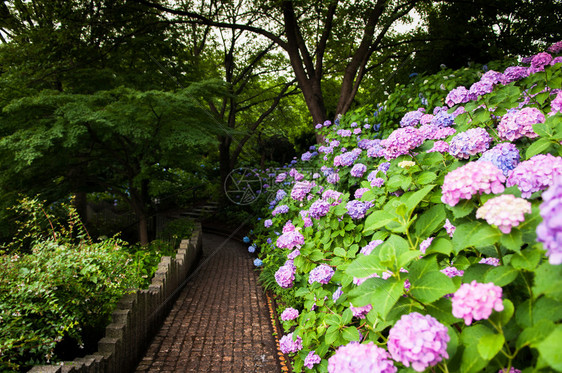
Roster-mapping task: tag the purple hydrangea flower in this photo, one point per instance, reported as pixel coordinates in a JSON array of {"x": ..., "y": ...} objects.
[
  {"x": 439, "y": 146},
  {"x": 433, "y": 132},
  {"x": 281, "y": 209},
  {"x": 556, "y": 60},
  {"x": 288, "y": 345},
  {"x": 359, "y": 192},
  {"x": 322, "y": 274},
  {"x": 535, "y": 174},
  {"x": 490, "y": 261},
  {"x": 539, "y": 61},
  {"x": 311, "y": 360},
  {"x": 425, "y": 244},
  {"x": 470, "y": 179},
  {"x": 375, "y": 151},
  {"x": 458, "y": 95},
  {"x": 401, "y": 141},
  {"x": 360, "y": 312},
  {"x": 494, "y": 77},
  {"x": 479, "y": 89},
  {"x": 358, "y": 170},
  {"x": 411, "y": 118},
  {"x": 357, "y": 209},
  {"x": 280, "y": 194},
  {"x": 337, "y": 294},
  {"x": 514, "y": 73},
  {"x": 344, "y": 133},
  {"x": 555, "y": 48},
  {"x": 384, "y": 166},
  {"x": 285, "y": 275},
  {"x": 504, "y": 156},
  {"x": 452, "y": 272},
  {"x": 306, "y": 156},
  {"x": 289, "y": 314},
  {"x": 449, "y": 228},
  {"x": 333, "y": 196},
  {"x": 366, "y": 250},
  {"x": 293, "y": 254},
  {"x": 419, "y": 341},
  {"x": 333, "y": 178},
  {"x": 442, "y": 119},
  {"x": 318, "y": 209},
  {"x": 471, "y": 142},
  {"x": 290, "y": 240},
  {"x": 556, "y": 104},
  {"x": 301, "y": 189},
  {"x": 549, "y": 231},
  {"x": 519, "y": 123},
  {"x": 359, "y": 358},
  {"x": 505, "y": 211},
  {"x": 476, "y": 301}
]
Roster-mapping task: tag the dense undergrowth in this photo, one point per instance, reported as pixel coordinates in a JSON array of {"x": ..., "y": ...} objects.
[
  {"x": 58, "y": 287},
  {"x": 426, "y": 236}
]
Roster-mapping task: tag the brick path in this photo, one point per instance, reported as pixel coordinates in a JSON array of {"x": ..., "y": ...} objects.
[{"x": 220, "y": 321}]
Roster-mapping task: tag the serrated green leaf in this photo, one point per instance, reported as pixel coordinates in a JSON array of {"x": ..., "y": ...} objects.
[
  {"x": 548, "y": 281},
  {"x": 490, "y": 345},
  {"x": 532, "y": 335},
  {"x": 461, "y": 209},
  {"x": 512, "y": 241},
  {"x": 502, "y": 275},
  {"x": 430, "y": 221},
  {"x": 350, "y": 334},
  {"x": 365, "y": 265},
  {"x": 392, "y": 248},
  {"x": 474, "y": 234},
  {"x": 527, "y": 259},
  {"x": 339, "y": 251},
  {"x": 414, "y": 199},
  {"x": 431, "y": 287},
  {"x": 541, "y": 146},
  {"x": 426, "y": 177},
  {"x": 377, "y": 219},
  {"x": 440, "y": 245},
  {"x": 550, "y": 348}
]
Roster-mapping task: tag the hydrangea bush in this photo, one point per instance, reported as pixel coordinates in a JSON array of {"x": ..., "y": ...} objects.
[{"x": 429, "y": 240}]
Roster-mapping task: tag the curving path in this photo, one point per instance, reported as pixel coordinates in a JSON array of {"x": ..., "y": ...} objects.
[{"x": 220, "y": 321}]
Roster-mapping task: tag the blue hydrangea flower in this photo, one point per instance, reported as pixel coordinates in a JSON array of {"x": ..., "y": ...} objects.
[{"x": 246, "y": 239}]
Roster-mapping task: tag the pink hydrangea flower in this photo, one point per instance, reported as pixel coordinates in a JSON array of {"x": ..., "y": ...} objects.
[
  {"x": 359, "y": 192},
  {"x": 288, "y": 345},
  {"x": 470, "y": 179},
  {"x": 439, "y": 146},
  {"x": 449, "y": 227},
  {"x": 476, "y": 301},
  {"x": 322, "y": 274},
  {"x": 519, "y": 123},
  {"x": 301, "y": 189},
  {"x": 401, "y": 141},
  {"x": 471, "y": 142},
  {"x": 360, "y": 312},
  {"x": 289, "y": 314},
  {"x": 511, "y": 370},
  {"x": 285, "y": 275},
  {"x": 425, "y": 244},
  {"x": 290, "y": 238},
  {"x": 535, "y": 174},
  {"x": 458, "y": 95},
  {"x": 311, "y": 360},
  {"x": 555, "y": 48},
  {"x": 419, "y": 341},
  {"x": 505, "y": 211},
  {"x": 556, "y": 104},
  {"x": 549, "y": 231},
  {"x": 360, "y": 358}
]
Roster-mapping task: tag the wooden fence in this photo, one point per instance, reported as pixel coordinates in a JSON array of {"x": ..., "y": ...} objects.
[{"x": 137, "y": 317}]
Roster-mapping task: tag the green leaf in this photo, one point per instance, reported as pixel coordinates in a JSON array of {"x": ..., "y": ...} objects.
[
  {"x": 414, "y": 199},
  {"x": 527, "y": 259},
  {"x": 502, "y": 275},
  {"x": 432, "y": 286},
  {"x": 540, "y": 146},
  {"x": 350, "y": 334},
  {"x": 532, "y": 335},
  {"x": 332, "y": 334},
  {"x": 365, "y": 265},
  {"x": 550, "y": 348},
  {"x": 472, "y": 361},
  {"x": 440, "y": 245},
  {"x": 512, "y": 241},
  {"x": 392, "y": 248},
  {"x": 339, "y": 251},
  {"x": 548, "y": 281},
  {"x": 405, "y": 258},
  {"x": 430, "y": 221},
  {"x": 426, "y": 177},
  {"x": 474, "y": 234},
  {"x": 461, "y": 209},
  {"x": 490, "y": 345},
  {"x": 377, "y": 219},
  {"x": 504, "y": 316},
  {"x": 421, "y": 267}
]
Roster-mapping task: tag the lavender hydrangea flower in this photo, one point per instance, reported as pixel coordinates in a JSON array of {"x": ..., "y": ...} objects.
[
  {"x": 418, "y": 341},
  {"x": 285, "y": 275},
  {"x": 439, "y": 146},
  {"x": 346, "y": 159},
  {"x": 293, "y": 254},
  {"x": 476, "y": 301},
  {"x": 452, "y": 272},
  {"x": 458, "y": 95},
  {"x": 280, "y": 194},
  {"x": 384, "y": 166},
  {"x": 504, "y": 156},
  {"x": 469, "y": 143},
  {"x": 360, "y": 312},
  {"x": 251, "y": 249},
  {"x": 505, "y": 211},
  {"x": 258, "y": 262},
  {"x": 401, "y": 141},
  {"x": 425, "y": 244},
  {"x": 318, "y": 209},
  {"x": 375, "y": 151},
  {"x": 267, "y": 223},
  {"x": 301, "y": 189},
  {"x": 470, "y": 179},
  {"x": 359, "y": 192},
  {"x": 332, "y": 195},
  {"x": 539, "y": 61},
  {"x": 311, "y": 360},
  {"x": 344, "y": 133},
  {"x": 514, "y": 73},
  {"x": 358, "y": 170},
  {"x": 290, "y": 240},
  {"x": 479, "y": 89},
  {"x": 519, "y": 123},
  {"x": 442, "y": 119},
  {"x": 449, "y": 228},
  {"x": 411, "y": 118},
  {"x": 535, "y": 174},
  {"x": 288, "y": 345},
  {"x": 367, "y": 250},
  {"x": 556, "y": 104},
  {"x": 289, "y": 314},
  {"x": 333, "y": 178},
  {"x": 281, "y": 209},
  {"x": 360, "y": 358},
  {"x": 549, "y": 231},
  {"x": 434, "y": 132},
  {"x": 494, "y": 77},
  {"x": 357, "y": 209},
  {"x": 321, "y": 274},
  {"x": 555, "y": 48},
  {"x": 490, "y": 261}
]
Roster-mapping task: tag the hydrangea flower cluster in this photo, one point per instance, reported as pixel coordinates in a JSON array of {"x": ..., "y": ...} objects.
[
  {"x": 285, "y": 275},
  {"x": 458, "y": 95},
  {"x": 442, "y": 119},
  {"x": 322, "y": 274},
  {"x": 535, "y": 174},
  {"x": 312, "y": 359},
  {"x": 556, "y": 104},
  {"x": 471, "y": 142},
  {"x": 411, "y": 119},
  {"x": 470, "y": 179},
  {"x": 505, "y": 211},
  {"x": 539, "y": 61},
  {"x": 360, "y": 312},
  {"x": 433, "y": 132},
  {"x": 367, "y": 250},
  {"x": 258, "y": 262},
  {"x": 280, "y": 194},
  {"x": 358, "y": 170},
  {"x": 519, "y": 123},
  {"x": 289, "y": 314},
  {"x": 549, "y": 231},
  {"x": 439, "y": 146},
  {"x": 357, "y": 209},
  {"x": 360, "y": 358},
  {"x": 401, "y": 141},
  {"x": 287, "y": 345},
  {"x": 268, "y": 223},
  {"x": 418, "y": 341},
  {"x": 452, "y": 272},
  {"x": 514, "y": 73},
  {"x": 504, "y": 156},
  {"x": 475, "y": 301},
  {"x": 319, "y": 208},
  {"x": 491, "y": 261},
  {"x": 290, "y": 240},
  {"x": 301, "y": 189},
  {"x": 347, "y": 159},
  {"x": 449, "y": 228},
  {"x": 359, "y": 192},
  {"x": 332, "y": 195},
  {"x": 333, "y": 178}
]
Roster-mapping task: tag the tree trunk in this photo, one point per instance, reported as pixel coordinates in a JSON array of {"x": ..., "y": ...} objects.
[{"x": 224, "y": 160}]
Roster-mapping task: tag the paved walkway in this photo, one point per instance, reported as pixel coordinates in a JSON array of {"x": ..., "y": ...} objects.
[{"x": 220, "y": 321}]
